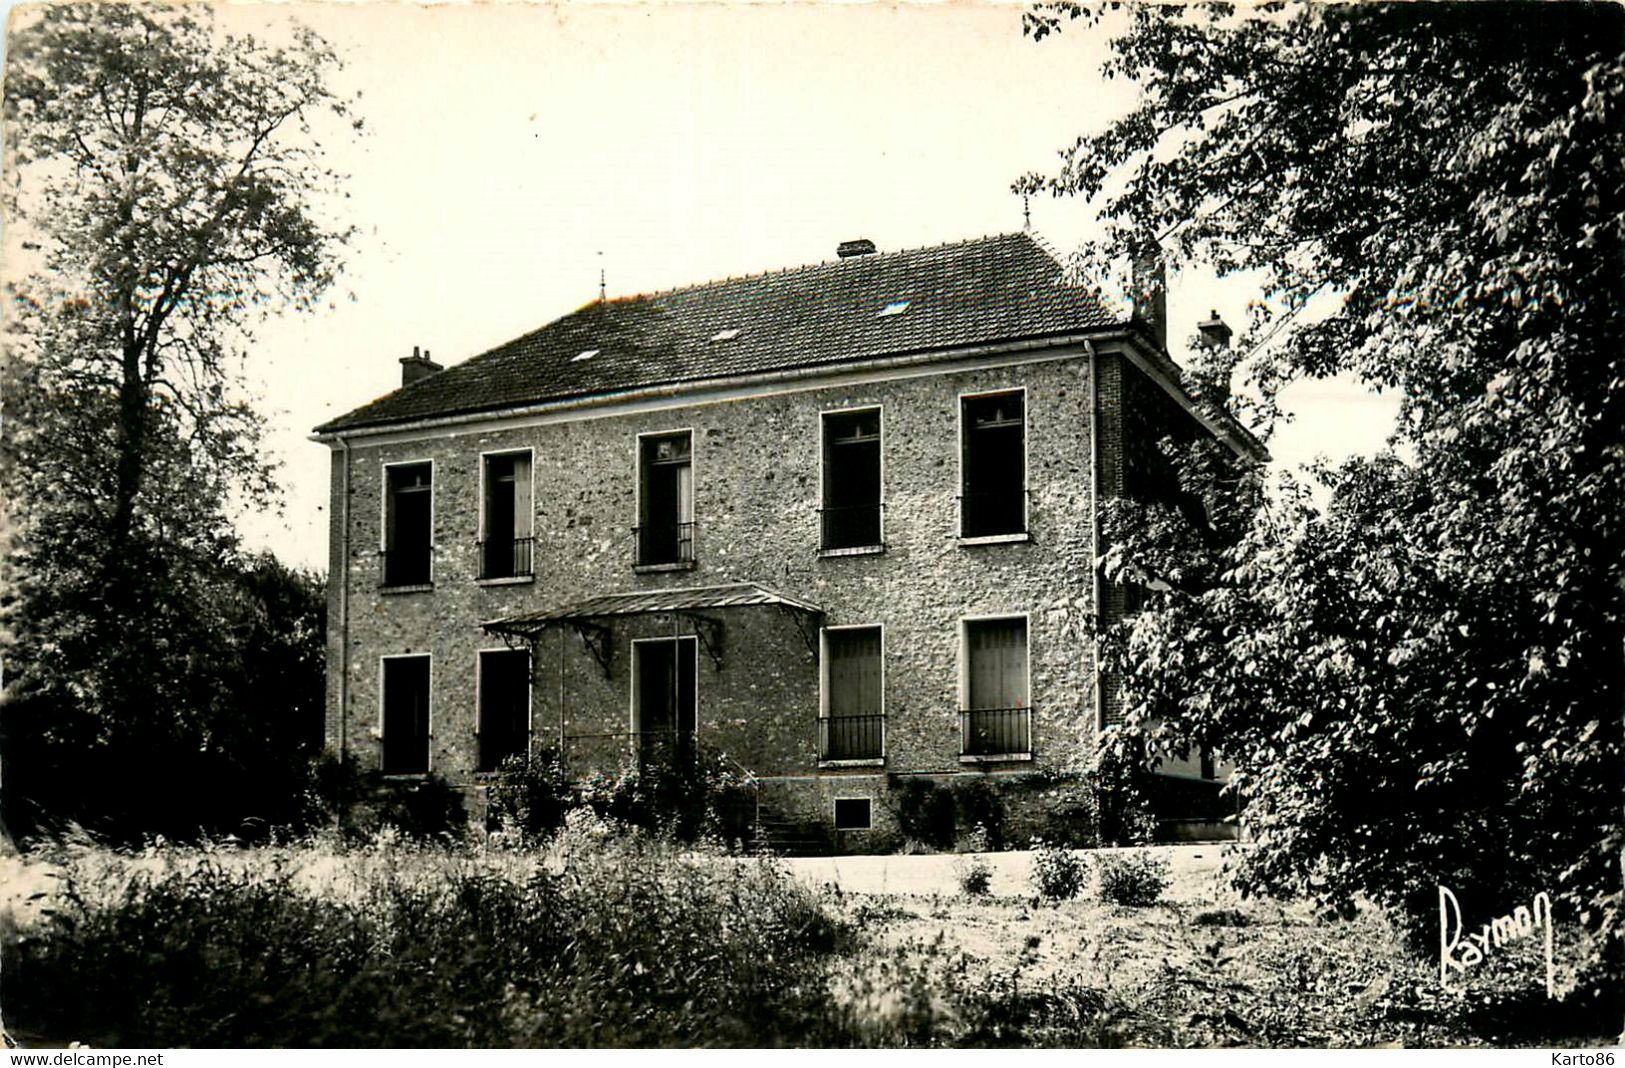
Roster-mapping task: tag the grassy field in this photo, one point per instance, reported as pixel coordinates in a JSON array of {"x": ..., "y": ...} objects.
[{"x": 604, "y": 941}]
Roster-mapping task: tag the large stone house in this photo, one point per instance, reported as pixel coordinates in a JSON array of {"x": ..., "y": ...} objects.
[{"x": 838, "y": 522}]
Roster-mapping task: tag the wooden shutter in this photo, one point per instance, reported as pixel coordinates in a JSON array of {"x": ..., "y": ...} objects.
[
  {"x": 854, "y": 671},
  {"x": 998, "y": 663}
]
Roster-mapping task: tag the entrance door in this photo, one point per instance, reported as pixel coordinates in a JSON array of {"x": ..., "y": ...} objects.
[{"x": 664, "y": 698}]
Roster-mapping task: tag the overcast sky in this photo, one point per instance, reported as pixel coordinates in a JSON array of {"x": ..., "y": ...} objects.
[{"x": 513, "y": 151}]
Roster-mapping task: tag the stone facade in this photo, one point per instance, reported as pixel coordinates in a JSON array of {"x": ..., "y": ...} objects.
[{"x": 756, "y": 478}]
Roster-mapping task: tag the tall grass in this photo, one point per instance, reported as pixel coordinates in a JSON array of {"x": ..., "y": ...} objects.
[{"x": 612, "y": 941}]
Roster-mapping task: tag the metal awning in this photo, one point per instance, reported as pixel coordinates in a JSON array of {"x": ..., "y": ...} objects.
[{"x": 590, "y": 617}]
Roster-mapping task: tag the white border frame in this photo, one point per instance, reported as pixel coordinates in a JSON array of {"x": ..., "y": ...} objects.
[
  {"x": 964, "y": 677},
  {"x": 835, "y": 823},
  {"x": 637, "y": 496},
  {"x": 530, "y": 697},
  {"x": 405, "y": 656},
  {"x": 383, "y": 511},
  {"x": 1026, "y": 471},
  {"x": 632, "y": 682},
  {"x": 823, "y": 690},
  {"x": 855, "y": 550}
]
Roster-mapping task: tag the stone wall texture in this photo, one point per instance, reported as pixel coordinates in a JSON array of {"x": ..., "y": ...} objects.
[{"x": 756, "y": 491}]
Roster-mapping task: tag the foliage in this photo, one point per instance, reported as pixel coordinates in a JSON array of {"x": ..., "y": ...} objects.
[
  {"x": 925, "y": 812},
  {"x": 163, "y": 183},
  {"x": 530, "y": 795},
  {"x": 1135, "y": 878},
  {"x": 686, "y": 796},
  {"x": 628, "y": 943},
  {"x": 1419, "y": 679},
  {"x": 974, "y": 875},
  {"x": 1058, "y": 873}
]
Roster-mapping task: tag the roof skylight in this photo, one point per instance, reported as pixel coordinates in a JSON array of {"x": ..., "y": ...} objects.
[
  {"x": 896, "y": 307},
  {"x": 587, "y": 355},
  {"x": 726, "y": 335}
]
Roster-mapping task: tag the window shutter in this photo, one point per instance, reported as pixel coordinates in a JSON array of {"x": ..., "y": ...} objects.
[{"x": 523, "y": 508}]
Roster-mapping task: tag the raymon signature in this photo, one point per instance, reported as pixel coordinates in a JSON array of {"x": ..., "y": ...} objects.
[{"x": 1521, "y": 923}]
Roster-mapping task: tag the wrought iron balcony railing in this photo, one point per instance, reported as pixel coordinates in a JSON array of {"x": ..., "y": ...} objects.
[
  {"x": 506, "y": 557},
  {"x": 664, "y": 543},
  {"x": 850, "y": 526},
  {"x": 405, "y": 566},
  {"x": 984, "y": 515},
  {"x": 996, "y": 731},
  {"x": 851, "y": 737}
]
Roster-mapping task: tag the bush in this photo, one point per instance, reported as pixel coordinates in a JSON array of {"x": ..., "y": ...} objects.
[
  {"x": 975, "y": 876},
  {"x": 1135, "y": 879},
  {"x": 681, "y": 796},
  {"x": 530, "y": 795},
  {"x": 925, "y": 812},
  {"x": 614, "y": 941},
  {"x": 981, "y": 813},
  {"x": 1058, "y": 873}
]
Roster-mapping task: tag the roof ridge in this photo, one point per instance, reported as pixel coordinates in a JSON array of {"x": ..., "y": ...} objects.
[{"x": 837, "y": 262}]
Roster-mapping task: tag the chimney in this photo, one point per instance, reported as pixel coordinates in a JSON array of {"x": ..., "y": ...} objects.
[
  {"x": 415, "y": 368},
  {"x": 861, "y": 246},
  {"x": 1150, "y": 291},
  {"x": 1215, "y": 332}
]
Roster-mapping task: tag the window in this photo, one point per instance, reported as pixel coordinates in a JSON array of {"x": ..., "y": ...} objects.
[
  {"x": 665, "y": 533},
  {"x": 993, "y": 465},
  {"x": 665, "y": 699},
  {"x": 996, "y": 716},
  {"x": 503, "y": 717},
  {"x": 405, "y": 699},
  {"x": 851, "y": 505},
  {"x": 853, "y": 724},
  {"x": 506, "y": 544},
  {"x": 408, "y": 523},
  {"x": 852, "y": 814}
]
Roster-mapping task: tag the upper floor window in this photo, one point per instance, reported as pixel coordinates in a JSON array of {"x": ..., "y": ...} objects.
[
  {"x": 993, "y": 465},
  {"x": 408, "y": 523},
  {"x": 506, "y": 543},
  {"x": 665, "y": 532},
  {"x": 996, "y": 714},
  {"x": 851, "y": 504},
  {"x": 405, "y": 700},
  {"x": 853, "y": 724}
]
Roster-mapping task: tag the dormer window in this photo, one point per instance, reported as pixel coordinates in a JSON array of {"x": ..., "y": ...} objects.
[
  {"x": 725, "y": 335},
  {"x": 896, "y": 307},
  {"x": 586, "y": 355}
]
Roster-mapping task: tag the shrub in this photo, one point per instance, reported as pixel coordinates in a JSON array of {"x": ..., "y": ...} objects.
[
  {"x": 1135, "y": 878},
  {"x": 1058, "y": 874},
  {"x": 1058, "y": 806},
  {"x": 530, "y": 795},
  {"x": 980, "y": 809},
  {"x": 975, "y": 876},
  {"x": 925, "y": 812}
]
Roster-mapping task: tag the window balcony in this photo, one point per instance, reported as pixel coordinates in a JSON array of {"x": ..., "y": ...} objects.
[
  {"x": 850, "y": 529},
  {"x": 507, "y": 558},
  {"x": 405, "y": 567},
  {"x": 664, "y": 546},
  {"x": 996, "y": 733},
  {"x": 843, "y": 738}
]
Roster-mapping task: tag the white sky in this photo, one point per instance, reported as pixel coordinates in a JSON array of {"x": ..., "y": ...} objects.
[{"x": 509, "y": 145}]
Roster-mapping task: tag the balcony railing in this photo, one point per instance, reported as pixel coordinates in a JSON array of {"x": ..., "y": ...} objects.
[
  {"x": 996, "y": 731},
  {"x": 664, "y": 543},
  {"x": 506, "y": 558},
  {"x": 850, "y": 526},
  {"x": 985, "y": 515},
  {"x": 405, "y": 566},
  {"x": 851, "y": 737}
]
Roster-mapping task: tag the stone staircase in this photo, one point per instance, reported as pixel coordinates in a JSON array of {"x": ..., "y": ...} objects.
[{"x": 784, "y": 836}]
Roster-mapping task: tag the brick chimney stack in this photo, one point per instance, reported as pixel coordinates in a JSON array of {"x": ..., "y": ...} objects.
[
  {"x": 861, "y": 246},
  {"x": 1215, "y": 332},
  {"x": 415, "y": 368},
  {"x": 1150, "y": 286}
]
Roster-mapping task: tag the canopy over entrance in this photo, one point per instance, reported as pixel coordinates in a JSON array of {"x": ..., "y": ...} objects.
[{"x": 591, "y": 618}]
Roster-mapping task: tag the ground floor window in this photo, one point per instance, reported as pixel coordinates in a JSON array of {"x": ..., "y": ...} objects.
[
  {"x": 664, "y": 697},
  {"x": 503, "y": 716},
  {"x": 853, "y": 723},
  {"x": 405, "y": 697},
  {"x": 996, "y": 714}
]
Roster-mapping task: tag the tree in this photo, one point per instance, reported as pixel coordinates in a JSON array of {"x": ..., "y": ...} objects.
[
  {"x": 167, "y": 181},
  {"x": 1421, "y": 682}
]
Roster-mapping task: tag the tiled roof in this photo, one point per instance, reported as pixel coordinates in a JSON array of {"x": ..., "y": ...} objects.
[
  {"x": 645, "y": 602},
  {"x": 983, "y": 291}
]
